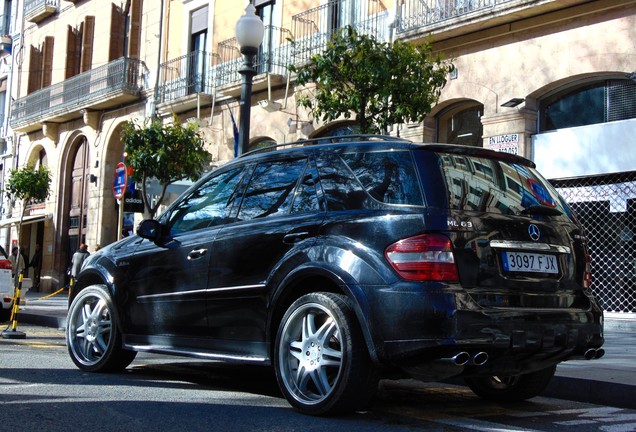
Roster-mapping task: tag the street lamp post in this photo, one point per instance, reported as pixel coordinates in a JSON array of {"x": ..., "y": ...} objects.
[{"x": 249, "y": 34}]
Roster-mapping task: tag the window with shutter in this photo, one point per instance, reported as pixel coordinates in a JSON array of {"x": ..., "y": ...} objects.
[
  {"x": 47, "y": 61},
  {"x": 134, "y": 41},
  {"x": 35, "y": 70},
  {"x": 117, "y": 33},
  {"x": 87, "y": 44},
  {"x": 72, "y": 53}
]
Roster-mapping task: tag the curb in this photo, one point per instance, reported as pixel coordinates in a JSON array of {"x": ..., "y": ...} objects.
[
  {"x": 591, "y": 391},
  {"x": 41, "y": 320}
]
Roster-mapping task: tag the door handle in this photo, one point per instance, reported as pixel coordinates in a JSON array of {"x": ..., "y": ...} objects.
[
  {"x": 196, "y": 254},
  {"x": 292, "y": 238}
]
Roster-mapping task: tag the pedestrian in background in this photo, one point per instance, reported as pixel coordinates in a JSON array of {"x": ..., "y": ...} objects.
[
  {"x": 17, "y": 263},
  {"x": 36, "y": 263},
  {"x": 78, "y": 259}
]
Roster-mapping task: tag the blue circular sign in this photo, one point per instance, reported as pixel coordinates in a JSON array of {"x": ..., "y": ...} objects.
[{"x": 120, "y": 180}]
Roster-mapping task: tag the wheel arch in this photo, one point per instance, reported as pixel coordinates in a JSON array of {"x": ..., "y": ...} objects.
[
  {"x": 306, "y": 279},
  {"x": 89, "y": 278}
]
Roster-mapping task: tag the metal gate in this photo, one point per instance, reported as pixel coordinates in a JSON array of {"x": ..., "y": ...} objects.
[{"x": 606, "y": 207}]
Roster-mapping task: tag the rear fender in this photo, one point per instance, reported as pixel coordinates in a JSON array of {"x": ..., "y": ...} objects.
[{"x": 313, "y": 276}]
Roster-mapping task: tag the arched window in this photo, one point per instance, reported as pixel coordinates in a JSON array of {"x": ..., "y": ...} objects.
[
  {"x": 601, "y": 102},
  {"x": 340, "y": 129},
  {"x": 461, "y": 124},
  {"x": 262, "y": 143}
]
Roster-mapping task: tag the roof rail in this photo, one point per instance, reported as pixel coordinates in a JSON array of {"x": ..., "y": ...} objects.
[{"x": 327, "y": 140}]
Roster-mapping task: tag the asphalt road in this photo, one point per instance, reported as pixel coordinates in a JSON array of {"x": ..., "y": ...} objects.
[{"x": 41, "y": 389}]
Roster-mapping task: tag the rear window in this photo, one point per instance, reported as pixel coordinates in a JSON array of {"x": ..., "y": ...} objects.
[{"x": 489, "y": 185}]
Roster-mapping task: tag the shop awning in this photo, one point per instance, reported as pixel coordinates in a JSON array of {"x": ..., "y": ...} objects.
[{"x": 26, "y": 220}]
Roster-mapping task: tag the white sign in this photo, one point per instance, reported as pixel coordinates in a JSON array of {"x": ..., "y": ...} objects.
[{"x": 504, "y": 143}]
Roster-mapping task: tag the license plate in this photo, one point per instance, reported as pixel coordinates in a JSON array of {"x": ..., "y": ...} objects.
[{"x": 529, "y": 262}]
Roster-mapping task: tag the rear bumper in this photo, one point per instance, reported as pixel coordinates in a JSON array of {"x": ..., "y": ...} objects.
[{"x": 513, "y": 339}]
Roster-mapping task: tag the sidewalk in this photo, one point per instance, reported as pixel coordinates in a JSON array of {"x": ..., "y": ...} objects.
[{"x": 610, "y": 380}]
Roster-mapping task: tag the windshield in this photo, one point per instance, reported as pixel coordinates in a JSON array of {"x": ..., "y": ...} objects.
[{"x": 495, "y": 186}]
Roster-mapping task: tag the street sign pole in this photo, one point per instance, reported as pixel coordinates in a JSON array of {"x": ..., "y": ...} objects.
[{"x": 120, "y": 182}]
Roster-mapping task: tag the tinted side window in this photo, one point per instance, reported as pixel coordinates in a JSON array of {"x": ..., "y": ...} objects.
[
  {"x": 388, "y": 177},
  {"x": 270, "y": 191},
  {"x": 342, "y": 190},
  {"x": 208, "y": 205},
  {"x": 306, "y": 197}
]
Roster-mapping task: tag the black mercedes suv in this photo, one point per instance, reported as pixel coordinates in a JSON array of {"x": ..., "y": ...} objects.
[{"x": 341, "y": 261}]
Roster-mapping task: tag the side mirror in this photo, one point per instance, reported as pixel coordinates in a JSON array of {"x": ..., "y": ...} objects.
[
  {"x": 157, "y": 233},
  {"x": 150, "y": 229}
]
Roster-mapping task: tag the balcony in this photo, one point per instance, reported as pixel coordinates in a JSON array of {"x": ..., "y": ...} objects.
[
  {"x": 37, "y": 10},
  {"x": 185, "y": 83},
  {"x": 271, "y": 63},
  {"x": 475, "y": 19},
  {"x": 315, "y": 27},
  {"x": 104, "y": 87}
]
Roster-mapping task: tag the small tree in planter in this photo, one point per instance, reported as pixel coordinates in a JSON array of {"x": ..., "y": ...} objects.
[{"x": 30, "y": 186}]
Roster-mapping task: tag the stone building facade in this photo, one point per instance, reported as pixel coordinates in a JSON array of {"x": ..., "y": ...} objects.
[{"x": 547, "y": 79}]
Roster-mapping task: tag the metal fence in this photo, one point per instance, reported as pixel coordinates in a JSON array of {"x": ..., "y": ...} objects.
[
  {"x": 273, "y": 56},
  {"x": 313, "y": 28},
  {"x": 606, "y": 207},
  {"x": 123, "y": 74},
  {"x": 186, "y": 75},
  {"x": 414, "y": 14}
]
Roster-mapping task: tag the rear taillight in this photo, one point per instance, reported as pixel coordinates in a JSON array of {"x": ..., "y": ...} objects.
[
  {"x": 427, "y": 257},
  {"x": 587, "y": 275}
]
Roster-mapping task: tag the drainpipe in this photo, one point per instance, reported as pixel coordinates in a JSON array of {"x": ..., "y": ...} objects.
[{"x": 159, "y": 52}]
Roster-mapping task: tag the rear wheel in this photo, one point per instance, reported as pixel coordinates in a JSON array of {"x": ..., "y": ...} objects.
[
  {"x": 92, "y": 334},
  {"x": 512, "y": 388},
  {"x": 321, "y": 360}
]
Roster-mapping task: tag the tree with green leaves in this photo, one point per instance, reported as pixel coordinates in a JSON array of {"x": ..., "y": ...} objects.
[
  {"x": 167, "y": 152},
  {"x": 30, "y": 186},
  {"x": 382, "y": 83}
]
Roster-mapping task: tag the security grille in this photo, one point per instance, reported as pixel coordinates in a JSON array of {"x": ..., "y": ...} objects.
[{"x": 606, "y": 207}]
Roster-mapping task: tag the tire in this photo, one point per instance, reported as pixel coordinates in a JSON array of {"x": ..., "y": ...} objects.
[
  {"x": 5, "y": 314},
  {"x": 513, "y": 388},
  {"x": 93, "y": 337},
  {"x": 321, "y": 360}
]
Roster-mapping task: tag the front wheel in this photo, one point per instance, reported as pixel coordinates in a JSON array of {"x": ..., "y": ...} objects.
[
  {"x": 92, "y": 334},
  {"x": 321, "y": 360},
  {"x": 512, "y": 388}
]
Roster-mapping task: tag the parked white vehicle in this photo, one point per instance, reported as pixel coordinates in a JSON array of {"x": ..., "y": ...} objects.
[{"x": 6, "y": 289}]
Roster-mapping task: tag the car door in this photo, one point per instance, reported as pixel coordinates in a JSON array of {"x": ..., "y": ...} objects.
[
  {"x": 169, "y": 281},
  {"x": 278, "y": 215}
]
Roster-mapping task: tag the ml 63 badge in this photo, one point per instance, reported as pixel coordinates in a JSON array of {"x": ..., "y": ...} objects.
[{"x": 460, "y": 225}]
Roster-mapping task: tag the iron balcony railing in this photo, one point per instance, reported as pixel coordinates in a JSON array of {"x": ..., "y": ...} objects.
[
  {"x": 315, "y": 27},
  {"x": 415, "y": 14},
  {"x": 274, "y": 56},
  {"x": 186, "y": 75},
  {"x": 122, "y": 75}
]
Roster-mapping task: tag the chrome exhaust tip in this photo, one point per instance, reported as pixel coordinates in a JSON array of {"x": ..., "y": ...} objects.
[
  {"x": 461, "y": 358},
  {"x": 593, "y": 353},
  {"x": 480, "y": 358}
]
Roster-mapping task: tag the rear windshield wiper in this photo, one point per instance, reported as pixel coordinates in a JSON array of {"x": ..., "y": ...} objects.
[{"x": 541, "y": 210}]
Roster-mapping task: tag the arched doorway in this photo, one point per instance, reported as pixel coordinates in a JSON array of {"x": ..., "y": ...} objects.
[{"x": 77, "y": 209}]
